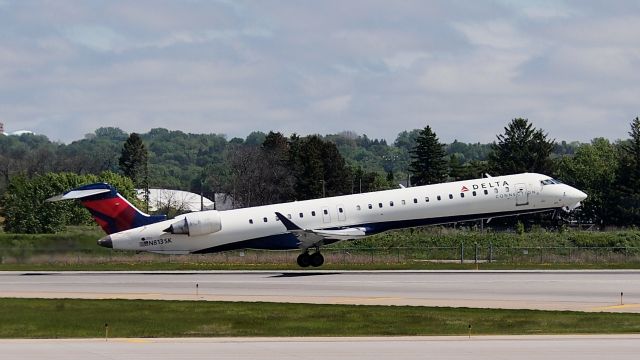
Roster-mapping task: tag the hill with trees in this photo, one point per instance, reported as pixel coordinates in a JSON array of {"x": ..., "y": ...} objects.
[{"x": 268, "y": 168}]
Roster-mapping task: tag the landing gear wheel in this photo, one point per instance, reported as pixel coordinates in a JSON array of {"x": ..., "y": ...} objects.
[
  {"x": 304, "y": 259},
  {"x": 316, "y": 259}
]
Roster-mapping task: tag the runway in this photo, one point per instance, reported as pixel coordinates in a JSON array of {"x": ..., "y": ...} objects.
[
  {"x": 619, "y": 347},
  {"x": 545, "y": 290}
]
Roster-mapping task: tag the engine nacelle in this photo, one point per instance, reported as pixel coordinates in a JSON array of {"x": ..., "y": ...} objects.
[{"x": 197, "y": 223}]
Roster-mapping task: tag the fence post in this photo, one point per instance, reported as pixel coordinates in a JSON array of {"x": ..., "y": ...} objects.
[
  {"x": 490, "y": 252},
  {"x": 476, "y": 259},
  {"x": 462, "y": 252}
]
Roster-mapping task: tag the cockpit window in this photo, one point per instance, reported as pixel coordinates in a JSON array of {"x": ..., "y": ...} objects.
[{"x": 550, "y": 182}]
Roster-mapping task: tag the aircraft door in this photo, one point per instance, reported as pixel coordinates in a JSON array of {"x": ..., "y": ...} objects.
[
  {"x": 341, "y": 214},
  {"x": 522, "y": 195},
  {"x": 326, "y": 217}
]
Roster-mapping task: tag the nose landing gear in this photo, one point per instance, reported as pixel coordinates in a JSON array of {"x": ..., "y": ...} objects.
[{"x": 305, "y": 259}]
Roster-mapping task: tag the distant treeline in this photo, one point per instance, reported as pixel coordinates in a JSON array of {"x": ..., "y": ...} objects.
[
  {"x": 267, "y": 168},
  {"x": 177, "y": 160}
]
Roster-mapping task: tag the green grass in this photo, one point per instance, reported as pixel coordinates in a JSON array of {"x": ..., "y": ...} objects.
[
  {"x": 76, "y": 249},
  {"x": 39, "y": 318},
  {"x": 163, "y": 266}
]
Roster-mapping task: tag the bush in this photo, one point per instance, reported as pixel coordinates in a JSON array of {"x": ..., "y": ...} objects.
[{"x": 26, "y": 211}]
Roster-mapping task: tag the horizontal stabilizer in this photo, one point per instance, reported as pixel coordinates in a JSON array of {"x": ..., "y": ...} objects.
[{"x": 77, "y": 194}]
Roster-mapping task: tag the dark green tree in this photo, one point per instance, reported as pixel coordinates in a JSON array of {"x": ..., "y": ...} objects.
[
  {"x": 26, "y": 211},
  {"x": 626, "y": 201},
  {"x": 255, "y": 138},
  {"x": 277, "y": 178},
  {"x": 593, "y": 169},
  {"x": 457, "y": 171},
  {"x": 428, "y": 165},
  {"x": 318, "y": 168},
  {"x": 275, "y": 141},
  {"x": 522, "y": 148},
  {"x": 134, "y": 161}
]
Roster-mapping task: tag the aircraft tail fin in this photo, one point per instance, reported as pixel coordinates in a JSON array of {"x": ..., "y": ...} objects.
[{"x": 110, "y": 210}]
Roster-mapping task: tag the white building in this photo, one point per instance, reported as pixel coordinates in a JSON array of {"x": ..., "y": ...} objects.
[{"x": 183, "y": 200}]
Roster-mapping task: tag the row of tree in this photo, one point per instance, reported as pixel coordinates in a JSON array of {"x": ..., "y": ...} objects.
[
  {"x": 177, "y": 160},
  {"x": 270, "y": 168},
  {"x": 608, "y": 172}
]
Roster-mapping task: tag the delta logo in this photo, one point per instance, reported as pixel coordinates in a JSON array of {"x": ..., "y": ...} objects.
[{"x": 464, "y": 188}]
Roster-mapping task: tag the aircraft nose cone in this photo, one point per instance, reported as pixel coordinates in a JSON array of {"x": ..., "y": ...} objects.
[
  {"x": 581, "y": 195},
  {"x": 576, "y": 195},
  {"x": 106, "y": 242}
]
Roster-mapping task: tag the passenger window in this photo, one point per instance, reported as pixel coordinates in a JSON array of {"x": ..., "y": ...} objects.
[
  {"x": 390, "y": 203},
  {"x": 313, "y": 213},
  {"x": 289, "y": 216},
  {"x": 358, "y": 207},
  {"x": 379, "y": 205},
  {"x": 340, "y": 210},
  {"x": 250, "y": 221},
  {"x": 450, "y": 196},
  {"x": 326, "y": 212},
  {"x": 415, "y": 201},
  {"x": 426, "y": 199},
  {"x": 461, "y": 195},
  {"x": 474, "y": 193},
  {"x": 264, "y": 219},
  {"x": 404, "y": 202},
  {"x": 370, "y": 206},
  {"x": 486, "y": 192},
  {"x": 301, "y": 215},
  {"x": 439, "y": 198}
]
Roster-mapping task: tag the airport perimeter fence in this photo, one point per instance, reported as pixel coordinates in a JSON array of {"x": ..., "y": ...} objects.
[{"x": 463, "y": 253}]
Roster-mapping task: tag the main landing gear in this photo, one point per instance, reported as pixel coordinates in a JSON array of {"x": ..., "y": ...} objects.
[{"x": 305, "y": 259}]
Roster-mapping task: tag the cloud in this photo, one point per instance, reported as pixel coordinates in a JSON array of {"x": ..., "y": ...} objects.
[
  {"x": 99, "y": 38},
  {"x": 320, "y": 67}
]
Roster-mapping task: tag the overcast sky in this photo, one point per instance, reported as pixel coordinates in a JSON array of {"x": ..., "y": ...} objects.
[{"x": 374, "y": 67}]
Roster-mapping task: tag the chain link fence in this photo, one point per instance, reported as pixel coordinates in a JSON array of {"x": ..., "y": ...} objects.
[{"x": 463, "y": 253}]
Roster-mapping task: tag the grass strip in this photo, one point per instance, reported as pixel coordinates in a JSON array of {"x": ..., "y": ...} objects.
[
  {"x": 195, "y": 266},
  {"x": 73, "y": 318}
]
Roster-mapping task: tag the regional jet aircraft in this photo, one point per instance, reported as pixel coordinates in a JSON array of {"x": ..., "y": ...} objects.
[{"x": 311, "y": 224}]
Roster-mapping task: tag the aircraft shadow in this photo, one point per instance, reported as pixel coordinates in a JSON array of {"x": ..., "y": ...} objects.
[{"x": 303, "y": 273}]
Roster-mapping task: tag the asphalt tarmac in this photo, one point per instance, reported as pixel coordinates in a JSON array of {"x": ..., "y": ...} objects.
[
  {"x": 548, "y": 290},
  {"x": 619, "y": 347}
]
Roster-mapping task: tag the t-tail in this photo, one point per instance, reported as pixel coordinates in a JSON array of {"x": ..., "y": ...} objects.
[{"x": 110, "y": 210}]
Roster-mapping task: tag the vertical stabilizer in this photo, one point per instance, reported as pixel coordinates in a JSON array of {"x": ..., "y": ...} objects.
[{"x": 110, "y": 210}]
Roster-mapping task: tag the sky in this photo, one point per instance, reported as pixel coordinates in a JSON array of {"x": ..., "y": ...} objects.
[{"x": 466, "y": 68}]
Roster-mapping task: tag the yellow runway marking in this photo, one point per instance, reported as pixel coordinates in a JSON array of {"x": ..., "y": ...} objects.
[
  {"x": 615, "y": 307},
  {"x": 140, "y": 341},
  {"x": 350, "y": 300}
]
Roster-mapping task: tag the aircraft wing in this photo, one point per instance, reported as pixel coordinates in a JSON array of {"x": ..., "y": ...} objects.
[{"x": 315, "y": 237}]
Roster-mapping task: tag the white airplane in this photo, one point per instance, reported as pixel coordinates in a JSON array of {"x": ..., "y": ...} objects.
[{"x": 310, "y": 224}]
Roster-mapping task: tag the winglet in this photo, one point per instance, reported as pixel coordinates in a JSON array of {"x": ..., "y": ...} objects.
[{"x": 287, "y": 223}]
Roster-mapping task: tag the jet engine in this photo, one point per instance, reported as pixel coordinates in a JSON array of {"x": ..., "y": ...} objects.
[{"x": 197, "y": 223}]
